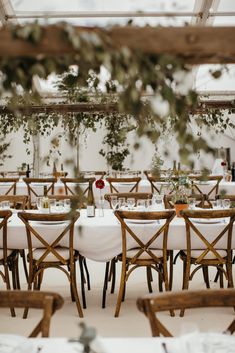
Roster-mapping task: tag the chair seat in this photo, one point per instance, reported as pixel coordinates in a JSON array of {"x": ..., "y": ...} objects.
[
  {"x": 209, "y": 256},
  {"x": 64, "y": 252},
  {"x": 144, "y": 256},
  {"x": 9, "y": 252}
]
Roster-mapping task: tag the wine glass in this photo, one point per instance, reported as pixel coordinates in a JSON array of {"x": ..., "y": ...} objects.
[
  {"x": 121, "y": 202},
  {"x": 192, "y": 203},
  {"x": 130, "y": 203},
  {"x": 114, "y": 202},
  {"x": 226, "y": 203},
  {"x": 67, "y": 205},
  {"x": 39, "y": 203}
]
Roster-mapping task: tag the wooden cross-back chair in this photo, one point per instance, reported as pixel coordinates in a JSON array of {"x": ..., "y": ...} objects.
[
  {"x": 16, "y": 201},
  {"x": 200, "y": 201},
  {"x": 132, "y": 183},
  {"x": 8, "y": 258},
  {"x": 128, "y": 195},
  {"x": 19, "y": 202},
  {"x": 79, "y": 186},
  {"x": 150, "y": 305},
  {"x": 35, "y": 188},
  {"x": 197, "y": 188},
  {"x": 50, "y": 254},
  {"x": 157, "y": 182},
  {"x": 9, "y": 185},
  {"x": 144, "y": 251},
  {"x": 208, "y": 253},
  {"x": 49, "y": 302}
]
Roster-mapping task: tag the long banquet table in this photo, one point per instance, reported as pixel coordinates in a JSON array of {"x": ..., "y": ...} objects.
[
  {"x": 144, "y": 186},
  {"x": 99, "y": 238}
]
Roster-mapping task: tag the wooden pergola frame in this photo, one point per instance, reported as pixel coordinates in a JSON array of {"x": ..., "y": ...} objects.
[
  {"x": 196, "y": 45},
  {"x": 63, "y": 109}
]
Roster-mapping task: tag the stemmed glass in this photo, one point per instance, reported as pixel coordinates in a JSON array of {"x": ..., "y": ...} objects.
[
  {"x": 226, "y": 203},
  {"x": 114, "y": 202},
  {"x": 130, "y": 203}
]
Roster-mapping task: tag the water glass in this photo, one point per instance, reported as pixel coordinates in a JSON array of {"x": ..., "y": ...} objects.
[
  {"x": 226, "y": 203},
  {"x": 59, "y": 206},
  {"x": 130, "y": 203},
  {"x": 192, "y": 203},
  {"x": 157, "y": 200},
  {"x": 121, "y": 203},
  {"x": 67, "y": 205},
  {"x": 39, "y": 202},
  {"x": 5, "y": 205},
  {"x": 141, "y": 205},
  {"x": 217, "y": 204},
  {"x": 52, "y": 205}
]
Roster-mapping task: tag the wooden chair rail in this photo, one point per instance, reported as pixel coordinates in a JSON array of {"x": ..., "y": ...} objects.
[{"x": 150, "y": 305}]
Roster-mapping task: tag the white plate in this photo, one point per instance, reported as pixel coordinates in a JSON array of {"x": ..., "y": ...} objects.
[
  {"x": 208, "y": 220},
  {"x": 142, "y": 221},
  {"x": 51, "y": 222}
]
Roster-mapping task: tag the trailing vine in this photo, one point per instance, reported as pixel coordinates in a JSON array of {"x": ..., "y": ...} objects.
[{"x": 131, "y": 74}]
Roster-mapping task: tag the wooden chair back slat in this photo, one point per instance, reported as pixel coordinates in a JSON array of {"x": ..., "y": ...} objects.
[
  {"x": 32, "y": 189},
  {"x": 214, "y": 188},
  {"x": 134, "y": 183},
  {"x": 150, "y": 305},
  {"x": 12, "y": 185},
  {"x": 16, "y": 201},
  {"x": 49, "y": 302},
  {"x": 73, "y": 186}
]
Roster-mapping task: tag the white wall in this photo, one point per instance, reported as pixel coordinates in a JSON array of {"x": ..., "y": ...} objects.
[{"x": 90, "y": 159}]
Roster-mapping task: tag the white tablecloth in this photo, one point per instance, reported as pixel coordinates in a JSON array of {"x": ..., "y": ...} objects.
[
  {"x": 99, "y": 238},
  {"x": 191, "y": 343}
]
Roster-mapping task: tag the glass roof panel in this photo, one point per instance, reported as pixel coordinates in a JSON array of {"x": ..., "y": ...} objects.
[{"x": 225, "y": 6}]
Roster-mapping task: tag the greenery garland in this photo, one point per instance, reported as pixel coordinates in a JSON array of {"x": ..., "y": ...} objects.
[{"x": 131, "y": 72}]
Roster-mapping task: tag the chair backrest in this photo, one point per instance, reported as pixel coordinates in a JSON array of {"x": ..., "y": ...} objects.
[
  {"x": 212, "y": 189},
  {"x": 131, "y": 183},
  {"x": 134, "y": 195},
  {"x": 16, "y": 201},
  {"x": 66, "y": 229},
  {"x": 209, "y": 245},
  {"x": 150, "y": 305},
  {"x": 158, "y": 182},
  {"x": 144, "y": 244},
  {"x": 8, "y": 185},
  {"x": 49, "y": 302},
  {"x": 168, "y": 203},
  {"x": 35, "y": 187},
  {"x": 82, "y": 187},
  {"x": 4, "y": 216}
]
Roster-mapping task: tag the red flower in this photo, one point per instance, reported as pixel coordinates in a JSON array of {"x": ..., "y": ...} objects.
[
  {"x": 99, "y": 184},
  {"x": 223, "y": 164}
]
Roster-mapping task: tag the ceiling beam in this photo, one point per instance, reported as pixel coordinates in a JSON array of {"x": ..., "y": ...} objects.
[
  {"x": 60, "y": 108},
  {"x": 194, "y": 44}
]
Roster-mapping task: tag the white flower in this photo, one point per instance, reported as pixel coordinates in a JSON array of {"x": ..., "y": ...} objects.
[
  {"x": 160, "y": 106},
  {"x": 183, "y": 82}
]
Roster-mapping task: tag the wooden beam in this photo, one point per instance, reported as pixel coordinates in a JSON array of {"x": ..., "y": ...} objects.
[
  {"x": 196, "y": 45},
  {"x": 103, "y": 108},
  {"x": 60, "y": 108}
]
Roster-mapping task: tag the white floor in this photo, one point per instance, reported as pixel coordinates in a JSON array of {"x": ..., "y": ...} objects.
[{"x": 130, "y": 322}]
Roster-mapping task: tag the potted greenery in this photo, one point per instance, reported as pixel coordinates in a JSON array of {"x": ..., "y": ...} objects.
[{"x": 181, "y": 187}]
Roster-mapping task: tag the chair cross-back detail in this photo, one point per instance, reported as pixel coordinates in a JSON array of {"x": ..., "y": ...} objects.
[
  {"x": 51, "y": 254},
  {"x": 150, "y": 305},
  {"x": 49, "y": 302},
  {"x": 9, "y": 185},
  {"x": 197, "y": 188},
  {"x": 16, "y": 201},
  {"x": 143, "y": 253},
  {"x": 133, "y": 184},
  {"x": 158, "y": 182},
  {"x": 35, "y": 187},
  {"x": 84, "y": 185},
  {"x": 209, "y": 253}
]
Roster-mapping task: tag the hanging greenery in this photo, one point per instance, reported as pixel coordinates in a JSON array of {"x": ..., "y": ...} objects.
[{"x": 167, "y": 79}]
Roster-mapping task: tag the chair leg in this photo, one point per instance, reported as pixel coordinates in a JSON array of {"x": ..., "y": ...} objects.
[
  {"x": 22, "y": 254},
  {"x": 8, "y": 286},
  {"x": 206, "y": 276},
  {"x": 87, "y": 274},
  {"x": 176, "y": 257},
  {"x": 171, "y": 268},
  {"x": 105, "y": 286},
  {"x": 81, "y": 262},
  {"x": 74, "y": 289},
  {"x": 113, "y": 265},
  {"x": 149, "y": 278},
  {"x": 216, "y": 276},
  {"x": 186, "y": 275},
  {"x": 121, "y": 289}
]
